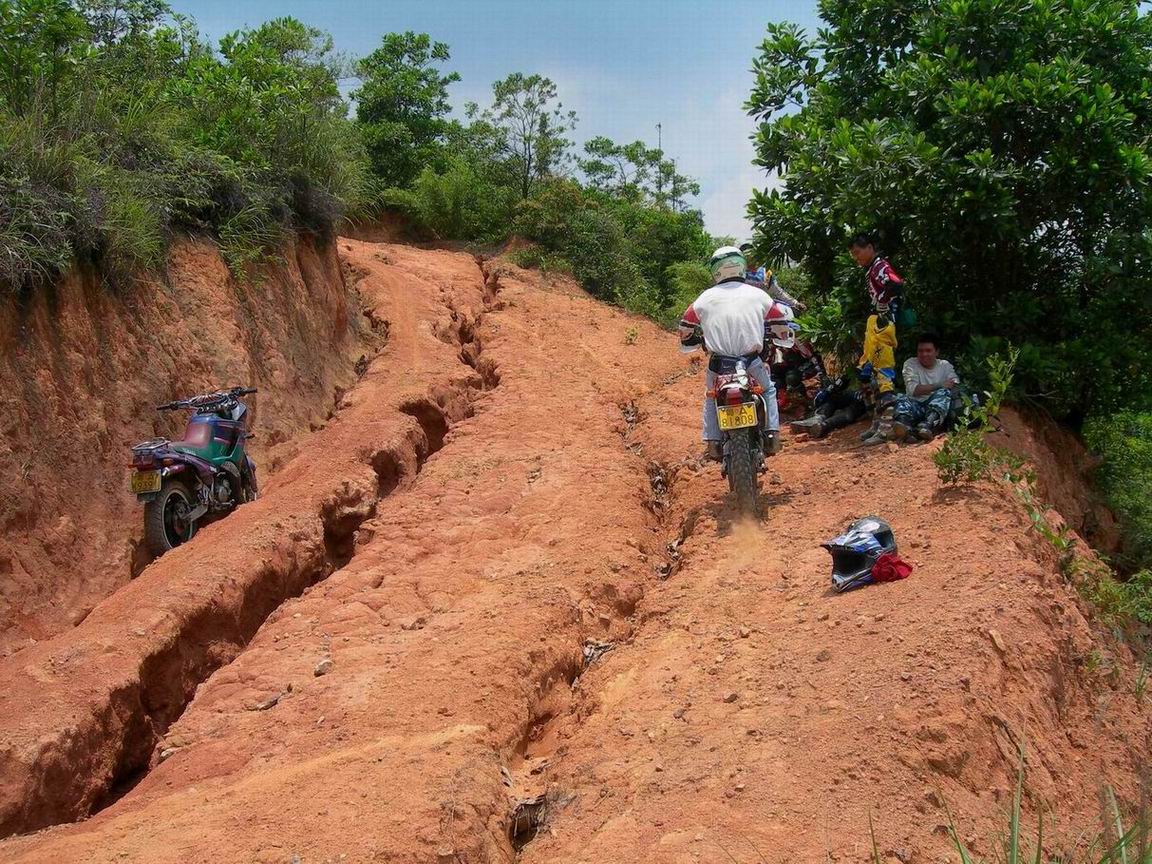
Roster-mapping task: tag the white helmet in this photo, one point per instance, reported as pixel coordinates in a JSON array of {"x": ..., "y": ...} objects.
[
  {"x": 727, "y": 263},
  {"x": 780, "y": 322}
]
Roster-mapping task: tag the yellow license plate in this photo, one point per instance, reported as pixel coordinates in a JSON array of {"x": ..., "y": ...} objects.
[
  {"x": 736, "y": 416},
  {"x": 145, "y": 481}
]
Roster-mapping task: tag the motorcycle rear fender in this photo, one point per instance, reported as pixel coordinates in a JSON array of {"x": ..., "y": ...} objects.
[{"x": 723, "y": 390}]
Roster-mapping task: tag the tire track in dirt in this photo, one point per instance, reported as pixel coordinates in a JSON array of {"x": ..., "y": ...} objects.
[
  {"x": 433, "y": 659},
  {"x": 757, "y": 716}
]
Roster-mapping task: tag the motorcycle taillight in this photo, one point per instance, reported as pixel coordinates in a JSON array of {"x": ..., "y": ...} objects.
[{"x": 734, "y": 396}]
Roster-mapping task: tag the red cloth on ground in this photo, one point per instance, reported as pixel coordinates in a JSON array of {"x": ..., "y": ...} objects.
[{"x": 890, "y": 567}]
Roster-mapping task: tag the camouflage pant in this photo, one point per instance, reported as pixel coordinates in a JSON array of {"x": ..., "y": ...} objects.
[{"x": 934, "y": 410}]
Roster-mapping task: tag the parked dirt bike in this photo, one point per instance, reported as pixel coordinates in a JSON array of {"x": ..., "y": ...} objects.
[
  {"x": 742, "y": 412},
  {"x": 203, "y": 476},
  {"x": 791, "y": 369}
]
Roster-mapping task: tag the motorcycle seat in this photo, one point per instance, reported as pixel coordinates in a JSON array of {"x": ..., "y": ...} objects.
[
  {"x": 724, "y": 365},
  {"x": 196, "y": 436}
]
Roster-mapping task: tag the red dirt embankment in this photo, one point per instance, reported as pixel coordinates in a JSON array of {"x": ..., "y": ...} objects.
[
  {"x": 82, "y": 367},
  {"x": 537, "y": 632}
]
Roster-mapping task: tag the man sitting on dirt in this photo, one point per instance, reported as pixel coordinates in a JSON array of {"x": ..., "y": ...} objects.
[
  {"x": 728, "y": 320},
  {"x": 838, "y": 404},
  {"x": 929, "y": 386}
]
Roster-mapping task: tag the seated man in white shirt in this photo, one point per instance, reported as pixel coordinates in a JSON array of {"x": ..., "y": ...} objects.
[{"x": 929, "y": 382}]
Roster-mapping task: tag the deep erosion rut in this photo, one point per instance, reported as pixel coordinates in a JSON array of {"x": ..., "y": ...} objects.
[
  {"x": 555, "y": 642},
  {"x": 118, "y": 683},
  {"x": 447, "y": 610}
]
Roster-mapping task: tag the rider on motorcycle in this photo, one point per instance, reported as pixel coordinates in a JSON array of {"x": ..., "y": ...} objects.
[{"x": 728, "y": 320}]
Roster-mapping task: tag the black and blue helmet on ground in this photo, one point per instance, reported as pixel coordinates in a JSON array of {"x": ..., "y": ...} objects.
[{"x": 855, "y": 552}]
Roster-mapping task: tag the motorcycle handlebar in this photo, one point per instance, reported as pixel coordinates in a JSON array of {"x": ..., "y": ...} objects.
[{"x": 219, "y": 397}]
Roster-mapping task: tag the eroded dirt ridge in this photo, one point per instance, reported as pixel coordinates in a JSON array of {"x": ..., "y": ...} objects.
[
  {"x": 118, "y": 741},
  {"x": 555, "y": 641}
]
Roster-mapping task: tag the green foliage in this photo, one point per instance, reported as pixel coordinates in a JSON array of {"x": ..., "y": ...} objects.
[
  {"x": 602, "y": 258},
  {"x": 1000, "y": 150},
  {"x": 402, "y": 106},
  {"x": 622, "y": 251},
  {"x": 37, "y": 51},
  {"x": 535, "y": 258},
  {"x": 658, "y": 237},
  {"x": 686, "y": 281},
  {"x": 831, "y": 324},
  {"x": 118, "y": 126},
  {"x": 525, "y": 128},
  {"x": 635, "y": 172},
  {"x": 460, "y": 203},
  {"x": 1118, "y": 601},
  {"x": 1124, "y": 443},
  {"x": 966, "y": 455}
]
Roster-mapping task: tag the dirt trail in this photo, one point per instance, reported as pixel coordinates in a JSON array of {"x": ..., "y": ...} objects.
[
  {"x": 506, "y": 625},
  {"x": 758, "y": 716}
]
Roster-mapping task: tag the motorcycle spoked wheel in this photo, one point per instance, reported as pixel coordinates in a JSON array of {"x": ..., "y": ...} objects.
[
  {"x": 166, "y": 523},
  {"x": 743, "y": 472}
]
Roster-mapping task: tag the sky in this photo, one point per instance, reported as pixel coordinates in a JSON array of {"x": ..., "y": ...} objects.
[{"x": 622, "y": 65}]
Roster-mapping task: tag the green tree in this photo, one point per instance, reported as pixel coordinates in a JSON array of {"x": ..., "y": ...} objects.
[
  {"x": 1124, "y": 444},
  {"x": 272, "y": 100},
  {"x": 459, "y": 202},
  {"x": 526, "y": 125},
  {"x": 402, "y": 105},
  {"x": 635, "y": 172},
  {"x": 41, "y": 42},
  {"x": 112, "y": 21},
  {"x": 1000, "y": 150},
  {"x": 119, "y": 125}
]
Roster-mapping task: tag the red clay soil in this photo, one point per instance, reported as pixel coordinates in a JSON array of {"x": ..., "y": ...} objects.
[
  {"x": 82, "y": 367},
  {"x": 434, "y": 676},
  {"x": 1064, "y": 472}
]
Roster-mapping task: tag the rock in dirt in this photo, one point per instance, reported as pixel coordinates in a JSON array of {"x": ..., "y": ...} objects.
[
  {"x": 323, "y": 667},
  {"x": 731, "y": 696},
  {"x": 270, "y": 702}
]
